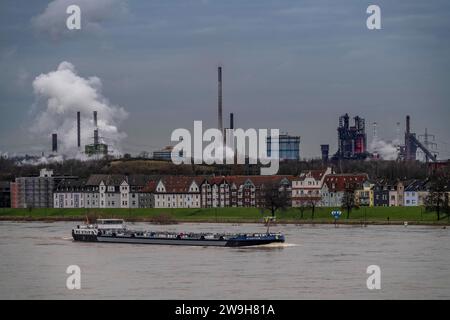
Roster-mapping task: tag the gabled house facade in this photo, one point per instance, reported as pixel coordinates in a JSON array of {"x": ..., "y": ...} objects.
[
  {"x": 100, "y": 191},
  {"x": 365, "y": 195},
  {"x": 415, "y": 193},
  {"x": 396, "y": 195},
  {"x": 308, "y": 187},
  {"x": 177, "y": 192},
  {"x": 381, "y": 190},
  {"x": 335, "y": 185}
]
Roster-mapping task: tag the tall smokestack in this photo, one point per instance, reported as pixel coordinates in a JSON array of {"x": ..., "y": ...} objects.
[
  {"x": 408, "y": 129},
  {"x": 325, "y": 149},
  {"x": 95, "y": 119},
  {"x": 54, "y": 142},
  {"x": 407, "y": 140},
  {"x": 95, "y": 128},
  {"x": 231, "y": 121},
  {"x": 78, "y": 130},
  {"x": 96, "y": 136},
  {"x": 219, "y": 71}
]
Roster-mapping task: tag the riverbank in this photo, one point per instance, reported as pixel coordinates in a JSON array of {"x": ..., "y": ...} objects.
[{"x": 366, "y": 215}]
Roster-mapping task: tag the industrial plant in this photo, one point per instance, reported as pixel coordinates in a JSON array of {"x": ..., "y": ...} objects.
[
  {"x": 408, "y": 152},
  {"x": 352, "y": 141},
  {"x": 97, "y": 148}
]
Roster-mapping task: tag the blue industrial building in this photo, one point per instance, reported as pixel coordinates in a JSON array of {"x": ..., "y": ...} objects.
[{"x": 288, "y": 147}]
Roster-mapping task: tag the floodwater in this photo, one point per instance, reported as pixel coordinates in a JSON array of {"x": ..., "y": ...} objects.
[{"x": 317, "y": 262}]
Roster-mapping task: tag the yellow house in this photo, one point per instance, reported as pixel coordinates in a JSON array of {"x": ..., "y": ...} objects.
[{"x": 364, "y": 197}]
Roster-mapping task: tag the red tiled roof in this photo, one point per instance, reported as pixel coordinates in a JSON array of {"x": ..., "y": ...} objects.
[
  {"x": 150, "y": 186},
  {"x": 181, "y": 184},
  {"x": 339, "y": 182},
  {"x": 175, "y": 184},
  {"x": 239, "y": 180},
  {"x": 315, "y": 174}
]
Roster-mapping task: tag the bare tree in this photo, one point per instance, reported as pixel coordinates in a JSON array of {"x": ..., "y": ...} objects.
[
  {"x": 302, "y": 207},
  {"x": 348, "y": 200},
  {"x": 275, "y": 197},
  {"x": 437, "y": 199},
  {"x": 312, "y": 204}
]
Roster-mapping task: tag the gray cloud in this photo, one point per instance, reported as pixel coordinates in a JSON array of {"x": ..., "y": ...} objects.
[
  {"x": 295, "y": 65},
  {"x": 52, "y": 22}
]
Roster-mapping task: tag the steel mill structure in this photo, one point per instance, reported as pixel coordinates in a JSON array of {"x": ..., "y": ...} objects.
[
  {"x": 409, "y": 150},
  {"x": 352, "y": 140},
  {"x": 97, "y": 148}
]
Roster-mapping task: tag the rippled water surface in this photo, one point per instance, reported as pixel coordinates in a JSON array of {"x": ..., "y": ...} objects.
[{"x": 317, "y": 262}]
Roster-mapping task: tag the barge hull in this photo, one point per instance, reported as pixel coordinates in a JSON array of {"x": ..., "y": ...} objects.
[{"x": 181, "y": 242}]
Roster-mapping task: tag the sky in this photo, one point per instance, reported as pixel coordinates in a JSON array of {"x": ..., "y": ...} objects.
[{"x": 292, "y": 65}]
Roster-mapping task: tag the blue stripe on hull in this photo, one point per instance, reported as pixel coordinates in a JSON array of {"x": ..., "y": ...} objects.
[{"x": 242, "y": 243}]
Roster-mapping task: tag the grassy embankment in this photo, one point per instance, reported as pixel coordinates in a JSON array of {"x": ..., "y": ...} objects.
[{"x": 375, "y": 215}]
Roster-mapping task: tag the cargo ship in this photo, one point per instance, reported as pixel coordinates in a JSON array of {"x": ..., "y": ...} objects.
[{"x": 115, "y": 231}]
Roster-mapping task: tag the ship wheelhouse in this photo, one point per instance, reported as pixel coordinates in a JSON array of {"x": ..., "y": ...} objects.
[{"x": 110, "y": 224}]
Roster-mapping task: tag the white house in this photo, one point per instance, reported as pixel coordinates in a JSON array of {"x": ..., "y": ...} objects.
[
  {"x": 415, "y": 193},
  {"x": 335, "y": 186},
  {"x": 307, "y": 187},
  {"x": 177, "y": 192}
]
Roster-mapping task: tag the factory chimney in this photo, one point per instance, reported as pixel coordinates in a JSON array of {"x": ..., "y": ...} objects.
[
  {"x": 95, "y": 136},
  {"x": 54, "y": 142},
  {"x": 95, "y": 128},
  {"x": 408, "y": 150},
  {"x": 408, "y": 130},
  {"x": 219, "y": 73},
  {"x": 231, "y": 121},
  {"x": 325, "y": 148},
  {"x": 95, "y": 119},
  {"x": 78, "y": 130}
]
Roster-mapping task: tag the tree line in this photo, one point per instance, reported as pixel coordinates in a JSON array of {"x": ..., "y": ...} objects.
[{"x": 379, "y": 169}]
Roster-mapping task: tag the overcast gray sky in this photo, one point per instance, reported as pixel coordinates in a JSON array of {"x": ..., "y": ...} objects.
[{"x": 293, "y": 65}]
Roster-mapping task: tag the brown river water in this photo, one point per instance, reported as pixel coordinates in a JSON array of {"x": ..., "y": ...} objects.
[{"x": 316, "y": 262}]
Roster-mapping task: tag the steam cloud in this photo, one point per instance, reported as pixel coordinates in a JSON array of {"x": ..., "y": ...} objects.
[
  {"x": 64, "y": 93},
  {"x": 41, "y": 161},
  {"x": 386, "y": 150}
]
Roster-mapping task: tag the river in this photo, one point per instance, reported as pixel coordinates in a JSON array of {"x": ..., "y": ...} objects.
[{"x": 316, "y": 262}]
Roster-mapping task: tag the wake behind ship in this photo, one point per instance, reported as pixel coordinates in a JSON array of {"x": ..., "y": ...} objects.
[{"x": 114, "y": 230}]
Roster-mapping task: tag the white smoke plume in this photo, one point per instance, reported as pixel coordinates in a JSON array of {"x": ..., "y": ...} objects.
[
  {"x": 41, "y": 160},
  {"x": 60, "y": 94},
  {"x": 386, "y": 150}
]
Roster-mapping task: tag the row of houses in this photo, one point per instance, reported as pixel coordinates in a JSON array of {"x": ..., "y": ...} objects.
[
  {"x": 325, "y": 188},
  {"x": 319, "y": 187},
  {"x": 140, "y": 191}
]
